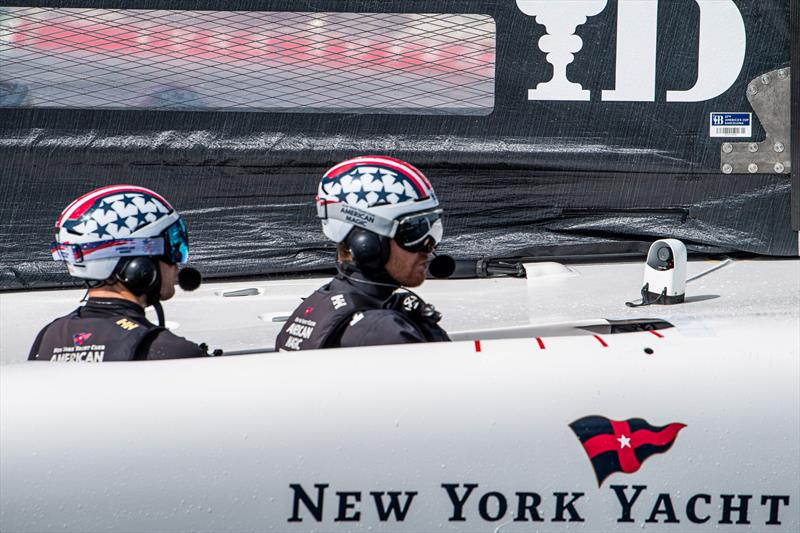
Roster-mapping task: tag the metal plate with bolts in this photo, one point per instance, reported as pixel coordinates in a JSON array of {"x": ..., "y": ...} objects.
[{"x": 769, "y": 96}]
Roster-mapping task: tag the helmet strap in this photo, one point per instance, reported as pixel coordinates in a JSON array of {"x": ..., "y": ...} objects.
[
  {"x": 159, "y": 312},
  {"x": 348, "y": 271},
  {"x": 154, "y": 296},
  {"x": 86, "y": 294}
]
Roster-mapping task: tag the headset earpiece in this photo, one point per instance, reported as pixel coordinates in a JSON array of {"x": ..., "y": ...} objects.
[
  {"x": 370, "y": 251},
  {"x": 139, "y": 274}
]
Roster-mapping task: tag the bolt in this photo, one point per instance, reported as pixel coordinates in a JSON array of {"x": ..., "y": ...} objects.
[
  {"x": 779, "y": 147},
  {"x": 752, "y": 90},
  {"x": 753, "y": 147},
  {"x": 779, "y": 168},
  {"x": 765, "y": 79},
  {"x": 727, "y": 168},
  {"x": 753, "y": 168},
  {"x": 727, "y": 148},
  {"x": 782, "y": 74}
]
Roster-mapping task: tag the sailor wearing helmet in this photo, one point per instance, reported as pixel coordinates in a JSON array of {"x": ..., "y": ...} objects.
[
  {"x": 385, "y": 217},
  {"x": 126, "y": 243}
]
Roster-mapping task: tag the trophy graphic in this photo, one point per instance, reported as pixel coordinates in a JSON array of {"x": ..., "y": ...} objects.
[{"x": 560, "y": 18}]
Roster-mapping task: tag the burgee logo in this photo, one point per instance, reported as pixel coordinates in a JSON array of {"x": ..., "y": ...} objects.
[
  {"x": 614, "y": 446},
  {"x": 79, "y": 338}
]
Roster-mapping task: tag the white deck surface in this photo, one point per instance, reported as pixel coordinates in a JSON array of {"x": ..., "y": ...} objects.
[{"x": 740, "y": 290}]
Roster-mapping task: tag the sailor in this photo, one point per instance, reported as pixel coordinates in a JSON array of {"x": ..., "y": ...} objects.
[
  {"x": 386, "y": 219},
  {"x": 126, "y": 243}
]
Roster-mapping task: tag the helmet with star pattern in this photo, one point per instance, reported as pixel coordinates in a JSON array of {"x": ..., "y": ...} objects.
[
  {"x": 116, "y": 222},
  {"x": 374, "y": 193}
]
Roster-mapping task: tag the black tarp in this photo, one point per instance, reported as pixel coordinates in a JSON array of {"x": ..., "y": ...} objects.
[{"x": 529, "y": 178}]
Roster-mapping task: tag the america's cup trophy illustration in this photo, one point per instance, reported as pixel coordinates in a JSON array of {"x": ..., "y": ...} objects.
[{"x": 560, "y": 18}]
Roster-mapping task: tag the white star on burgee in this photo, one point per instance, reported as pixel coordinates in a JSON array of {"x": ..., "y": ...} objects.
[{"x": 624, "y": 442}]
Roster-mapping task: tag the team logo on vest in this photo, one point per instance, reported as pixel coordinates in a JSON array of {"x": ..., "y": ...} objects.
[
  {"x": 356, "y": 318},
  {"x": 614, "y": 446},
  {"x": 126, "y": 324},
  {"x": 79, "y": 338},
  {"x": 410, "y": 303},
  {"x": 79, "y": 353},
  {"x": 299, "y": 330},
  {"x": 338, "y": 301}
]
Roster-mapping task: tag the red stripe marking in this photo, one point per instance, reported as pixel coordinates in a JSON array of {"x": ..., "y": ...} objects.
[
  {"x": 611, "y": 443},
  {"x": 657, "y": 334},
  {"x": 477, "y": 345},
  {"x": 601, "y": 341},
  {"x": 411, "y": 167},
  {"x": 541, "y": 344},
  {"x": 600, "y": 444},
  {"x": 627, "y": 459},
  {"x": 665, "y": 436},
  {"x": 341, "y": 168},
  {"x": 104, "y": 245},
  {"x": 412, "y": 173},
  {"x": 82, "y": 204}
]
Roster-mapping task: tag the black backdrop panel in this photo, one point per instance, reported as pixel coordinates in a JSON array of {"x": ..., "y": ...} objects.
[{"x": 529, "y": 177}]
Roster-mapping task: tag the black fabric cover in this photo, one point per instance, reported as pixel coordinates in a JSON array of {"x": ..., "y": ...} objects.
[{"x": 531, "y": 178}]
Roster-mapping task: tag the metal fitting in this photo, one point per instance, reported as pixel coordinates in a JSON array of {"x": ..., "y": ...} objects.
[
  {"x": 752, "y": 168},
  {"x": 765, "y": 79},
  {"x": 752, "y": 90},
  {"x": 782, "y": 74},
  {"x": 727, "y": 168},
  {"x": 779, "y": 168},
  {"x": 727, "y": 148},
  {"x": 752, "y": 147},
  {"x": 779, "y": 147}
]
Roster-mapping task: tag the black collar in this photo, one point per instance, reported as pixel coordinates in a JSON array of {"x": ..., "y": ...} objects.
[
  {"x": 379, "y": 287},
  {"x": 114, "y": 304}
]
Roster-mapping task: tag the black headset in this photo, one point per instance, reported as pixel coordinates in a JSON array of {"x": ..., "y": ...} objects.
[
  {"x": 370, "y": 251},
  {"x": 140, "y": 275}
]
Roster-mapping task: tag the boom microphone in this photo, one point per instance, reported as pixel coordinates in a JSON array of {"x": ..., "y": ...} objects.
[
  {"x": 189, "y": 279},
  {"x": 442, "y": 266}
]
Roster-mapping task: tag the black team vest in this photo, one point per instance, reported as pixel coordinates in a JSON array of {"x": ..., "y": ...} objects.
[
  {"x": 323, "y": 316},
  {"x": 93, "y": 340},
  {"x": 318, "y": 322}
]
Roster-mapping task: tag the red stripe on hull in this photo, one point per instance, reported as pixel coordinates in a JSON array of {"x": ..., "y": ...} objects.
[{"x": 601, "y": 341}]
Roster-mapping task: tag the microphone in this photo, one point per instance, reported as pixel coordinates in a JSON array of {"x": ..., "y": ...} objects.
[
  {"x": 189, "y": 279},
  {"x": 442, "y": 266}
]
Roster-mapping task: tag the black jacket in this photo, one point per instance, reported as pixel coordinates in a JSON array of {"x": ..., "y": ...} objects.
[
  {"x": 352, "y": 311},
  {"x": 108, "y": 329}
]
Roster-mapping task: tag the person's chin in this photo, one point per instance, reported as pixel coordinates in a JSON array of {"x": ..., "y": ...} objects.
[
  {"x": 415, "y": 280},
  {"x": 166, "y": 295}
]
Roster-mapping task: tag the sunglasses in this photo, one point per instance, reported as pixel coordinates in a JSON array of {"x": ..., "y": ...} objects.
[
  {"x": 420, "y": 231},
  {"x": 177, "y": 243}
]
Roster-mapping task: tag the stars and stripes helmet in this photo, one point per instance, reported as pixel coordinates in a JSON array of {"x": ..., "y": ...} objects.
[
  {"x": 381, "y": 194},
  {"x": 108, "y": 224}
]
